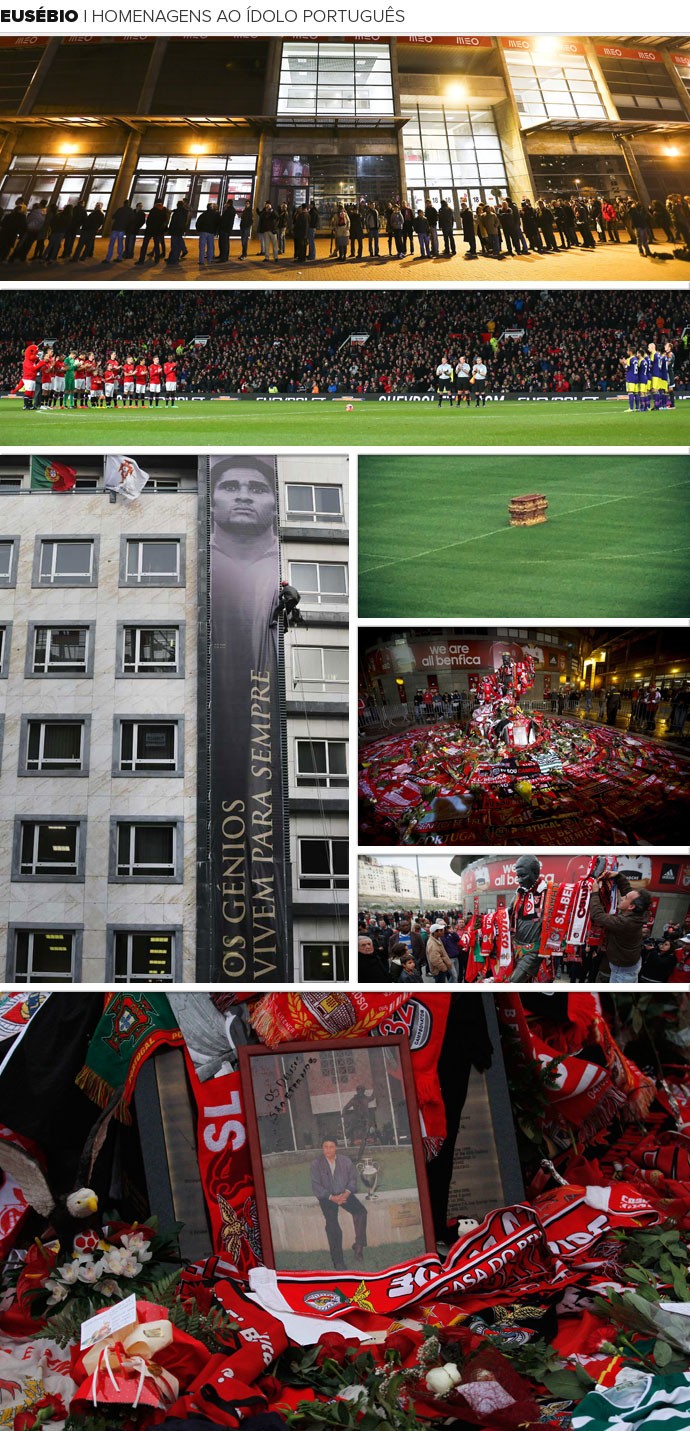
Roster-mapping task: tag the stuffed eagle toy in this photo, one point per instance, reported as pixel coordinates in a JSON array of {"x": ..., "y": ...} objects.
[{"x": 64, "y": 1212}]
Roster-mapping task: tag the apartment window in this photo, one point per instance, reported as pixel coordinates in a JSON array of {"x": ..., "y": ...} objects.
[
  {"x": 320, "y": 581},
  {"x": 11, "y": 484},
  {"x": 558, "y": 88},
  {"x": 9, "y": 547},
  {"x": 322, "y": 762},
  {"x": 60, "y": 651},
  {"x": 45, "y": 955},
  {"x": 320, "y": 667},
  {"x": 152, "y": 561},
  {"x": 146, "y": 850},
  {"x": 54, "y": 747},
  {"x": 151, "y": 651},
  {"x": 324, "y": 962},
  {"x": 335, "y": 78},
  {"x": 143, "y": 956},
  {"x": 307, "y": 502},
  {"x": 66, "y": 561},
  {"x": 5, "y": 642},
  {"x": 48, "y": 849},
  {"x": 149, "y": 747},
  {"x": 323, "y": 864},
  {"x": 163, "y": 484}
]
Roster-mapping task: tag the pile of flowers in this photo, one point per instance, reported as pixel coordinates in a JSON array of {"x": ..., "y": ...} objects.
[{"x": 107, "y": 1265}]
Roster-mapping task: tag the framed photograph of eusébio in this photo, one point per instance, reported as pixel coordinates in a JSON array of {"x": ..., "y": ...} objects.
[{"x": 337, "y": 1154}]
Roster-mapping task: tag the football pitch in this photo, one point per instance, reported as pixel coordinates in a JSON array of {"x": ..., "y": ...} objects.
[
  {"x": 435, "y": 539},
  {"x": 328, "y": 424}
]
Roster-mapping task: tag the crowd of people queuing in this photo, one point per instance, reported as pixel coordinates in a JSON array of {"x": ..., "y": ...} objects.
[
  {"x": 642, "y": 705},
  {"x": 412, "y": 947},
  {"x": 47, "y": 231},
  {"x": 264, "y": 341}
]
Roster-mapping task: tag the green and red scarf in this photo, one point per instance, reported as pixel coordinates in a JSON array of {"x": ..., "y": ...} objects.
[{"x": 131, "y": 1028}]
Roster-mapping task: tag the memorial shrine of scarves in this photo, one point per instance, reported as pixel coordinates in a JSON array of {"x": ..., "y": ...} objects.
[{"x": 344, "y": 1209}]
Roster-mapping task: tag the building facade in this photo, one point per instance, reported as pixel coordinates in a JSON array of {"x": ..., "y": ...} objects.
[
  {"x": 389, "y": 886},
  {"x": 99, "y": 733},
  {"x": 455, "y": 117},
  {"x": 339, "y": 120}
]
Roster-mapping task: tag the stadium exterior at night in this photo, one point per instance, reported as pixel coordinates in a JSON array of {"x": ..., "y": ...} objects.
[{"x": 342, "y": 120}]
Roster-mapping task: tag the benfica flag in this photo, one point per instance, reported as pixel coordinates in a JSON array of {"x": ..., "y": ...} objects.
[
  {"x": 124, "y": 476},
  {"x": 50, "y": 476}
]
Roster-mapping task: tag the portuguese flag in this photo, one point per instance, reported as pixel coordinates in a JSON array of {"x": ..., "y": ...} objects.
[{"x": 50, "y": 476}]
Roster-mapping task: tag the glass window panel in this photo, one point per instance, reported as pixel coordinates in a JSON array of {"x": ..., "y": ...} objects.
[
  {"x": 62, "y": 745},
  {"x": 332, "y": 578},
  {"x": 311, "y": 756},
  {"x": 66, "y": 560},
  {"x": 307, "y": 663},
  {"x": 5, "y": 560},
  {"x": 336, "y": 664},
  {"x": 300, "y": 499},
  {"x": 51, "y": 954},
  {"x": 337, "y": 757}
]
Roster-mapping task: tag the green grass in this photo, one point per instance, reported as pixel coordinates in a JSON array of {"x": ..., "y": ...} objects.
[
  {"x": 435, "y": 540},
  {"x": 217, "y": 424}
]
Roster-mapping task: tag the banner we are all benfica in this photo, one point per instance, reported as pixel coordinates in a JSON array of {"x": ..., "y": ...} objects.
[{"x": 248, "y": 904}]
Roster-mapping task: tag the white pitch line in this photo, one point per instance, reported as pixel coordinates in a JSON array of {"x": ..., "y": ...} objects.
[{"x": 448, "y": 546}]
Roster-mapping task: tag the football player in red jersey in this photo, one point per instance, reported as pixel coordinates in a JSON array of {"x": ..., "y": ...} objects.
[
  {"x": 170, "y": 371},
  {"x": 155, "y": 375},
  {"x": 141, "y": 375},
  {"x": 111, "y": 375},
  {"x": 128, "y": 381}
]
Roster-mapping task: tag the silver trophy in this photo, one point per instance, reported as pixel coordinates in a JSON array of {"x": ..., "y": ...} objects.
[{"x": 369, "y": 1173}]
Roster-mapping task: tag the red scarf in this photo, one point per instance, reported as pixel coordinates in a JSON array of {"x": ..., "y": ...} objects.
[
  {"x": 584, "y": 1097},
  {"x": 225, "y": 1168},
  {"x": 288, "y": 1018}
]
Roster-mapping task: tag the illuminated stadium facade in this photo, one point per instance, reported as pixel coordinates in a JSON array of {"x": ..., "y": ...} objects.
[{"x": 341, "y": 120}]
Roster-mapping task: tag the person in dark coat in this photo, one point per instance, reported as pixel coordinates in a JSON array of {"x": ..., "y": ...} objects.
[
  {"x": 92, "y": 225},
  {"x": 300, "y": 233},
  {"x": 246, "y": 226},
  {"x": 12, "y": 229},
  {"x": 510, "y": 227},
  {"x": 58, "y": 229},
  {"x": 226, "y": 224},
  {"x": 134, "y": 224},
  {"x": 372, "y": 968},
  {"x": 79, "y": 212},
  {"x": 468, "y": 230},
  {"x": 356, "y": 232},
  {"x": 431, "y": 214},
  {"x": 179, "y": 222},
  {"x": 584, "y": 224},
  {"x": 446, "y": 223},
  {"x": 545, "y": 219},
  {"x": 313, "y": 226},
  {"x": 118, "y": 232},
  {"x": 530, "y": 224},
  {"x": 154, "y": 232}
]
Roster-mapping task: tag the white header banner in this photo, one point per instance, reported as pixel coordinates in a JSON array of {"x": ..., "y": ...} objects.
[{"x": 136, "y": 21}]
